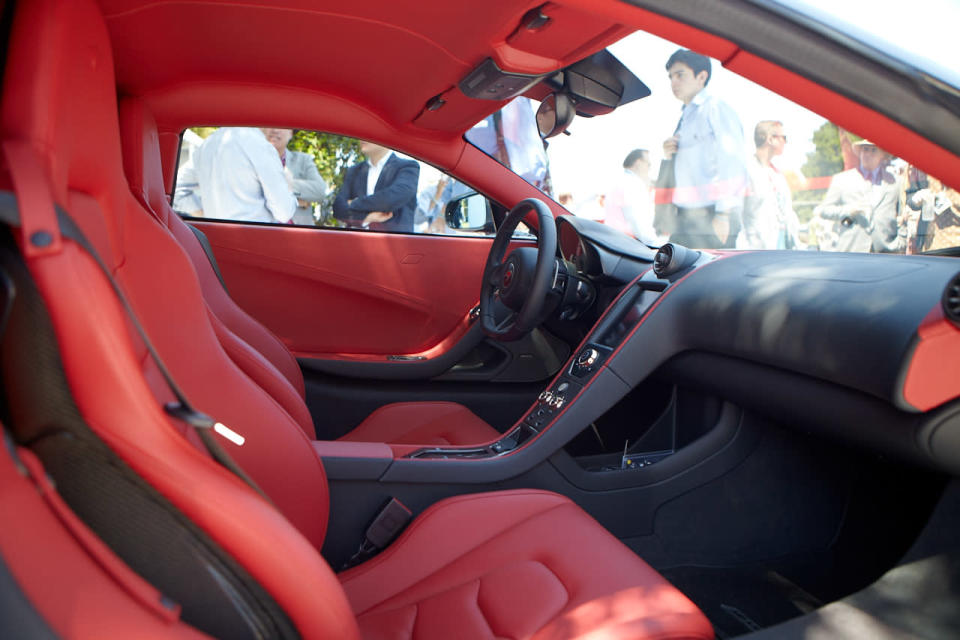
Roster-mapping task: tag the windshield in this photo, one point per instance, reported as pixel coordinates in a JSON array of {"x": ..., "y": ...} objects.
[
  {"x": 712, "y": 160},
  {"x": 890, "y": 28}
]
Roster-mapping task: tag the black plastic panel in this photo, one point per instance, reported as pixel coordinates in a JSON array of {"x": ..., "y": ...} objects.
[{"x": 848, "y": 319}]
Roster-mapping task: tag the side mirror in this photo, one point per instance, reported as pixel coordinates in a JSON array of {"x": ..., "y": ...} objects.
[
  {"x": 555, "y": 114},
  {"x": 469, "y": 212}
]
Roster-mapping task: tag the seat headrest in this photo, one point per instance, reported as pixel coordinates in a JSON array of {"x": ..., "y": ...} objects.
[
  {"x": 60, "y": 97},
  {"x": 141, "y": 156}
]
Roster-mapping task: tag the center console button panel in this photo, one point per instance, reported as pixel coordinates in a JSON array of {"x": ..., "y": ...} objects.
[{"x": 603, "y": 340}]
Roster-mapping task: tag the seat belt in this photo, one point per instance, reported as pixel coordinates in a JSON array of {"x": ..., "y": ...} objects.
[{"x": 41, "y": 233}]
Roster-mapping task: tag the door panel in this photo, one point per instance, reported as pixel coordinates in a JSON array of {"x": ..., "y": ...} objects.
[{"x": 326, "y": 292}]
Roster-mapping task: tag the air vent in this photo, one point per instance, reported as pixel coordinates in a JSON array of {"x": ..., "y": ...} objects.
[{"x": 951, "y": 300}]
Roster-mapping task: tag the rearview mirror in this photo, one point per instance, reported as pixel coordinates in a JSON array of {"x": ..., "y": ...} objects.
[
  {"x": 555, "y": 114},
  {"x": 469, "y": 212}
]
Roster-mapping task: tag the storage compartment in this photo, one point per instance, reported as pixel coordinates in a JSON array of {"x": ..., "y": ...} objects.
[{"x": 647, "y": 426}]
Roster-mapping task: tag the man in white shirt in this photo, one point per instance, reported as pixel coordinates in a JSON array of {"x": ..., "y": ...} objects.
[
  {"x": 708, "y": 156},
  {"x": 769, "y": 221},
  {"x": 241, "y": 178},
  {"x": 629, "y": 205}
]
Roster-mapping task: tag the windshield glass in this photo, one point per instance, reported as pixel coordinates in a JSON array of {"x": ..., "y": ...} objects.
[{"x": 712, "y": 160}]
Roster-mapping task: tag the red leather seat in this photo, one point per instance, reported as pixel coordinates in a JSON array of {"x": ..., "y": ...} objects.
[
  {"x": 519, "y": 564},
  {"x": 253, "y": 347},
  {"x": 522, "y": 563}
]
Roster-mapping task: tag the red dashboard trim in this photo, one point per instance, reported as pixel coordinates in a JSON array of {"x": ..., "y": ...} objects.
[{"x": 933, "y": 374}]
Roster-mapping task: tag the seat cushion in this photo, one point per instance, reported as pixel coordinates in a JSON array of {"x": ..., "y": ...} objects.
[
  {"x": 427, "y": 423},
  {"x": 515, "y": 564}
]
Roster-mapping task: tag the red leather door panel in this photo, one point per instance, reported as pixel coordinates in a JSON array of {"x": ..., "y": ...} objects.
[{"x": 330, "y": 292}]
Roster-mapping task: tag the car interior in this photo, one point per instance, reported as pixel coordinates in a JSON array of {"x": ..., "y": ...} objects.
[{"x": 534, "y": 426}]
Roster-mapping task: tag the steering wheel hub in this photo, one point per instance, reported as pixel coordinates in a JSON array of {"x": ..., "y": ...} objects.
[{"x": 508, "y": 275}]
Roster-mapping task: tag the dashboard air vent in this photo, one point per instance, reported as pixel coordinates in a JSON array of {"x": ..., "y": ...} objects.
[{"x": 951, "y": 300}]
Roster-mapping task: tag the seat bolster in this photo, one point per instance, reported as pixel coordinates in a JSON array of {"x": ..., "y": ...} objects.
[
  {"x": 262, "y": 371},
  {"x": 142, "y": 166},
  {"x": 518, "y": 564},
  {"x": 238, "y": 320},
  {"x": 426, "y": 423}
]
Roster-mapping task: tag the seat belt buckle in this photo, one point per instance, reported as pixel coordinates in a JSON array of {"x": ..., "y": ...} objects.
[{"x": 386, "y": 526}]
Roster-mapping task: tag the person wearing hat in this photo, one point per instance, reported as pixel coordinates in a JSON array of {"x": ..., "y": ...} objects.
[{"x": 864, "y": 203}]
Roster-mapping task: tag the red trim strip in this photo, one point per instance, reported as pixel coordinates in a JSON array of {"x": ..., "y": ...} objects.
[{"x": 933, "y": 374}]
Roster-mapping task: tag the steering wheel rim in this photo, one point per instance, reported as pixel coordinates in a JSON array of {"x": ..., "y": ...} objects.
[{"x": 521, "y": 321}]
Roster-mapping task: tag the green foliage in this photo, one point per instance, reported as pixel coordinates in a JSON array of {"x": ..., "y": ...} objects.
[
  {"x": 827, "y": 159},
  {"x": 332, "y": 153},
  {"x": 203, "y": 132}
]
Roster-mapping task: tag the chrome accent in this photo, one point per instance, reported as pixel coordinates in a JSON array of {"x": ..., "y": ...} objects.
[{"x": 588, "y": 357}]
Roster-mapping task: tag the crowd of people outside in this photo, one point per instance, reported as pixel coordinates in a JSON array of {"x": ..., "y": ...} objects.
[
  {"x": 249, "y": 174},
  {"x": 710, "y": 192}
]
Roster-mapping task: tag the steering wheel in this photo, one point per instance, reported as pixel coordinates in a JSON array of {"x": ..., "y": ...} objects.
[{"x": 522, "y": 281}]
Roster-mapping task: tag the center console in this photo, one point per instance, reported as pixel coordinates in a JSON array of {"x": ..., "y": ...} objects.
[{"x": 605, "y": 338}]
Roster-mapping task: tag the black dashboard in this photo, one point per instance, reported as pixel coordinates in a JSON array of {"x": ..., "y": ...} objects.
[
  {"x": 843, "y": 341},
  {"x": 599, "y": 252}
]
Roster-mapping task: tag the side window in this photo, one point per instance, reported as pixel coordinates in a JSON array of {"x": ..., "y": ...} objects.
[{"x": 309, "y": 178}]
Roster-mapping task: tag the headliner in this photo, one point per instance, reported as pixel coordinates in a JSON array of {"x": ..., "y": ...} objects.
[{"x": 388, "y": 57}]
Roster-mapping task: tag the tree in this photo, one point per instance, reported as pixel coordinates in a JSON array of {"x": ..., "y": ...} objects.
[
  {"x": 203, "y": 132},
  {"x": 332, "y": 153},
  {"x": 827, "y": 159}
]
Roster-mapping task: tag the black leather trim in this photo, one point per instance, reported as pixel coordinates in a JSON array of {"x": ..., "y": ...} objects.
[{"x": 207, "y": 249}]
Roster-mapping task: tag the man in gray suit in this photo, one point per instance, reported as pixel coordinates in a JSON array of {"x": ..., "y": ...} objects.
[
  {"x": 302, "y": 175},
  {"x": 864, "y": 203}
]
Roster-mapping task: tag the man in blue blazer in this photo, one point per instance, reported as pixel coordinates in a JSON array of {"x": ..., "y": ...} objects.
[{"x": 379, "y": 193}]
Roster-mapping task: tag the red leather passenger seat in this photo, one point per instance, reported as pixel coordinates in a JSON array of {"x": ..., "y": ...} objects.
[
  {"x": 514, "y": 564},
  {"x": 253, "y": 347},
  {"x": 518, "y": 564}
]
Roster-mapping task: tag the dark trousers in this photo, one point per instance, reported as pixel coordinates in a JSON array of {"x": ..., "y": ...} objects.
[{"x": 694, "y": 228}]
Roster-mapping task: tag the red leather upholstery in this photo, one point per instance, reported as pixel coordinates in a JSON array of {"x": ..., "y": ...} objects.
[
  {"x": 519, "y": 564},
  {"x": 82, "y": 144},
  {"x": 433, "y": 423},
  {"x": 243, "y": 337},
  {"x": 60, "y": 99},
  {"x": 575, "y": 579},
  {"x": 252, "y": 347}
]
